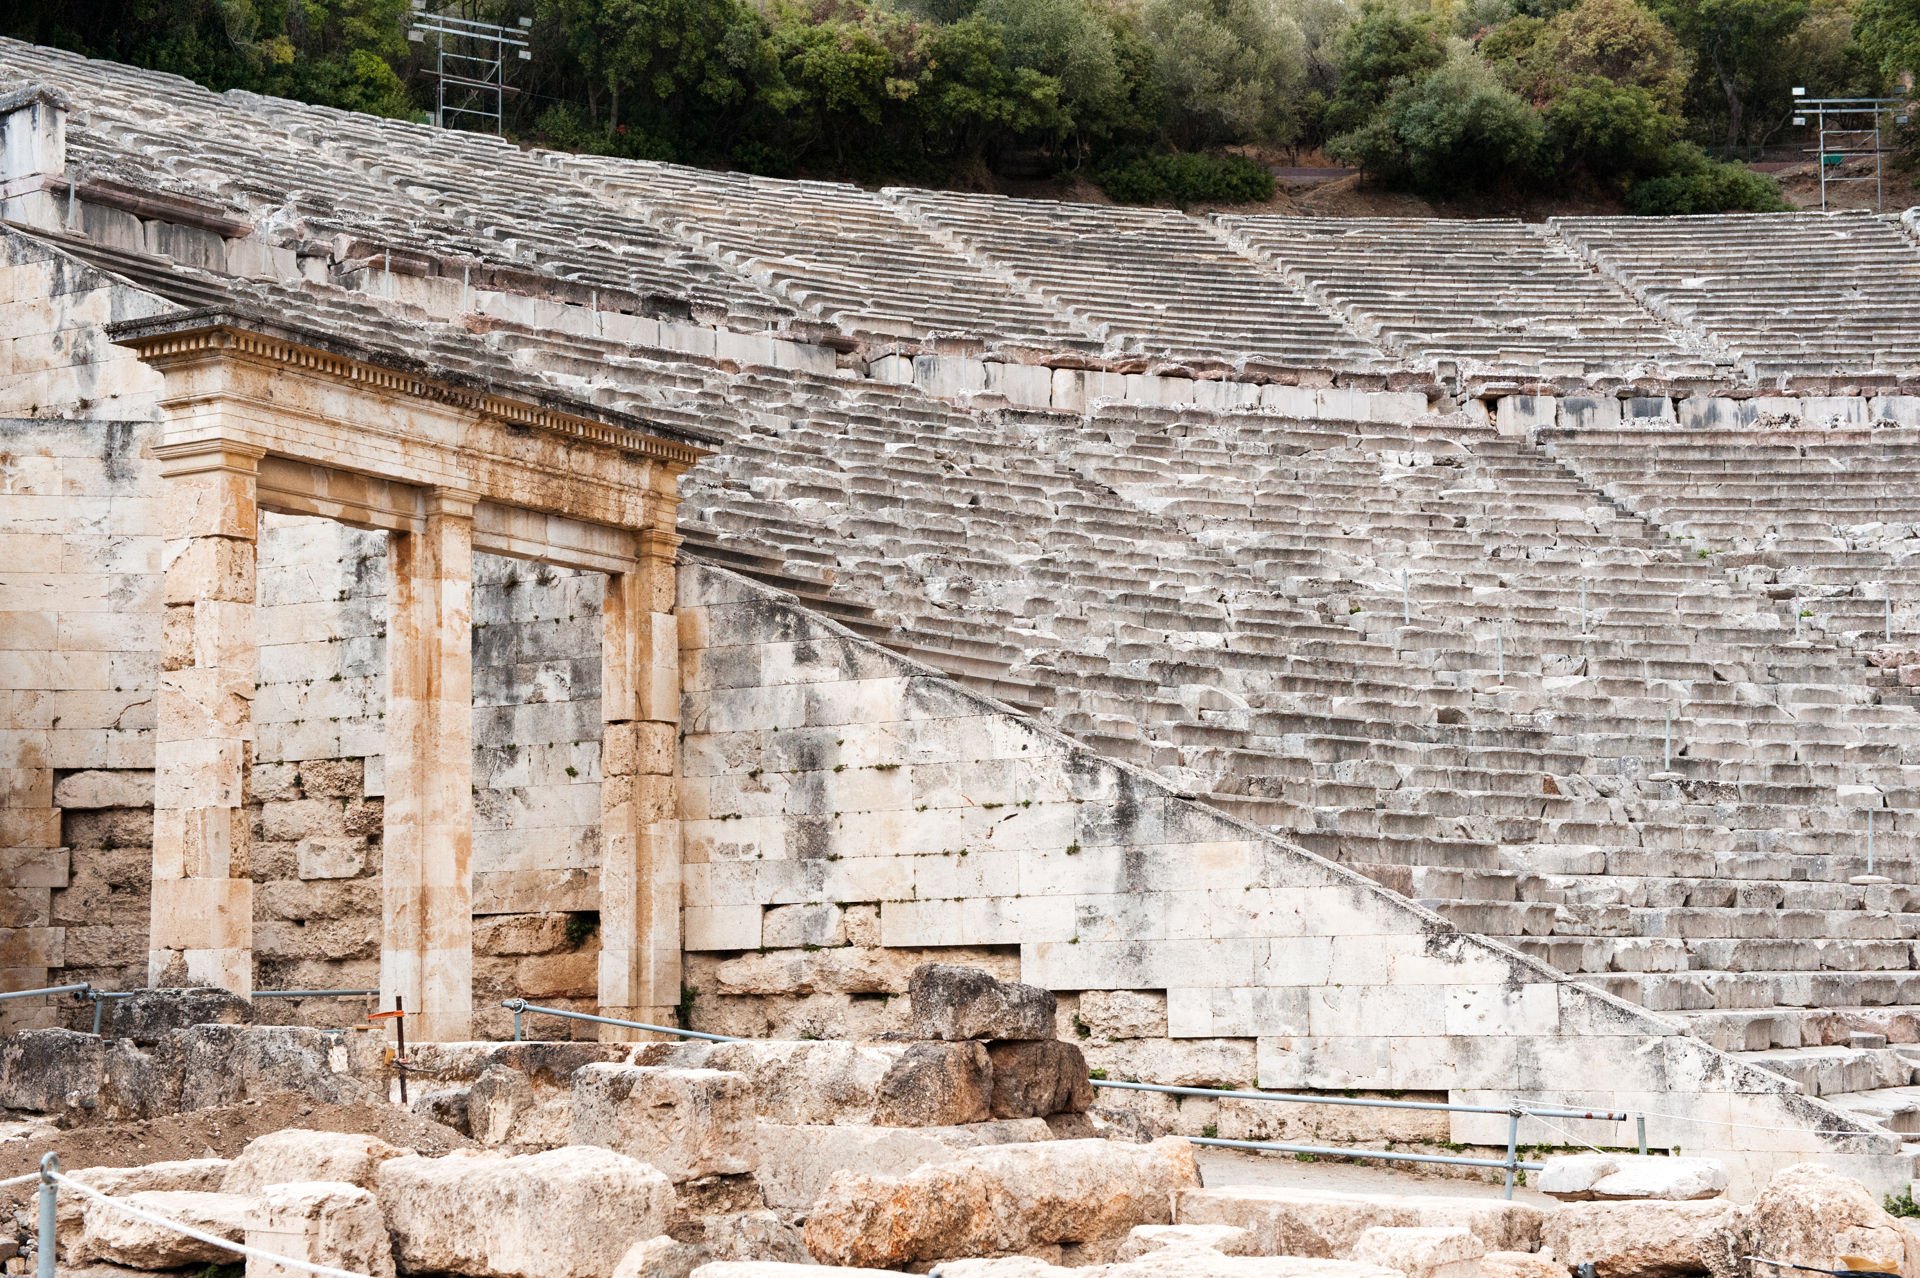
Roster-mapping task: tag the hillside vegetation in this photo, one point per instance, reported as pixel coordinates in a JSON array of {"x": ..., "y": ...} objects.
[{"x": 1156, "y": 101}]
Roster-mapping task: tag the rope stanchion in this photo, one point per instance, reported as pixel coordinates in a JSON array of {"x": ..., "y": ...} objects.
[{"x": 200, "y": 1235}]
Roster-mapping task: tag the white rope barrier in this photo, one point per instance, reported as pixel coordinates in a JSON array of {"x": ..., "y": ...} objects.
[
  {"x": 239, "y": 1249},
  {"x": 19, "y": 1180}
]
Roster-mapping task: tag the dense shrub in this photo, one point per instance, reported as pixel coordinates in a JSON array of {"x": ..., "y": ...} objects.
[
  {"x": 1712, "y": 188},
  {"x": 1187, "y": 179},
  {"x": 1455, "y": 130}
]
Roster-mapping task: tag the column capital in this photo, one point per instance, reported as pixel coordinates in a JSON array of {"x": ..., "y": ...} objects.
[
  {"x": 454, "y": 503},
  {"x": 658, "y": 543},
  {"x": 198, "y": 456}
]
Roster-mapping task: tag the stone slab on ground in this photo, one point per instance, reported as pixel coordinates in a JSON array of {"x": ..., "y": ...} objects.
[
  {"x": 1304, "y": 1222},
  {"x": 1447, "y": 1251},
  {"x": 296, "y": 1154},
  {"x": 1811, "y": 1215},
  {"x": 954, "y": 1002},
  {"x": 1645, "y": 1239},
  {"x": 190, "y": 1175},
  {"x": 565, "y": 1213},
  {"x": 931, "y": 1084},
  {"x": 323, "y": 1223},
  {"x": 111, "y": 1235},
  {"x": 1000, "y": 1199},
  {"x": 687, "y": 1123},
  {"x": 797, "y": 1160},
  {"x": 1582, "y": 1177},
  {"x": 1035, "y": 1079}
]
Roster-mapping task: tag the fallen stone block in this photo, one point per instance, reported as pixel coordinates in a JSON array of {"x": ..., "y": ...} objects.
[
  {"x": 1298, "y": 1222},
  {"x": 686, "y": 1122},
  {"x": 1000, "y": 1199},
  {"x": 1035, "y": 1079},
  {"x": 190, "y": 1175},
  {"x": 1170, "y": 1262},
  {"x": 796, "y": 1162},
  {"x": 228, "y": 1064},
  {"x": 936, "y": 1085},
  {"x": 1650, "y": 1239},
  {"x": 50, "y": 1071},
  {"x": 1811, "y": 1215},
  {"x": 295, "y": 1154},
  {"x": 1584, "y": 1177},
  {"x": 565, "y": 1213},
  {"x": 778, "y": 1269},
  {"x": 322, "y": 1223},
  {"x": 1143, "y": 1240},
  {"x": 755, "y": 1235},
  {"x": 110, "y": 1234},
  {"x": 661, "y": 1257},
  {"x": 148, "y": 1016},
  {"x": 871, "y": 1084},
  {"x": 1448, "y": 1251},
  {"x": 953, "y": 1002},
  {"x": 1520, "y": 1264}
]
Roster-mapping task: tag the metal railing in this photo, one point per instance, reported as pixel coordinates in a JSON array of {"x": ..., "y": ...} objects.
[
  {"x": 520, "y": 1008},
  {"x": 1512, "y": 1164},
  {"x": 99, "y": 998}
]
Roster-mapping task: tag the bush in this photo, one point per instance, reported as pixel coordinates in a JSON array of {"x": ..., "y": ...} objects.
[
  {"x": 1609, "y": 128},
  {"x": 1713, "y": 188},
  {"x": 1456, "y": 129},
  {"x": 1187, "y": 179}
]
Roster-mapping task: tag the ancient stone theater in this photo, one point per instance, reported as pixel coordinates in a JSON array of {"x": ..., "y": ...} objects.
[{"x": 1472, "y": 661}]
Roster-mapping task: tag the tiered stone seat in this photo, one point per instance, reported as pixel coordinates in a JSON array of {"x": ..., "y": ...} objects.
[
  {"x": 1819, "y": 518},
  {"x": 473, "y": 203},
  {"x": 1489, "y": 292},
  {"x": 1814, "y": 293},
  {"x": 1681, "y": 883},
  {"x": 1159, "y": 282},
  {"x": 835, "y": 251}
]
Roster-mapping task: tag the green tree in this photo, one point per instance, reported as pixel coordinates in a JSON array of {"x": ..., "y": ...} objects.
[
  {"x": 1619, "y": 41},
  {"x": 1234, "y": 70},
  {"x": 1067, "y": 41},
  {"x": 1454, "y": 130},
  {"x": 1385, "y": 49},
  {"x": 660, "y": 77},
  {"x": 1889, "y": 35},
  {"x": 1738, "y": 46},
  {"x": 1610, "y": 130}
]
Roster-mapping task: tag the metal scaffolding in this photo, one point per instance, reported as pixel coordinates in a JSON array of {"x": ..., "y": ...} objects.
[
  {"x": 1847, "y": 128},
  {"x": 470, "y": 63}
]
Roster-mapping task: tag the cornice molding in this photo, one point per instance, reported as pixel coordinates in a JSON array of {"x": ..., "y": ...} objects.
[{"x": 164, "y": 341}]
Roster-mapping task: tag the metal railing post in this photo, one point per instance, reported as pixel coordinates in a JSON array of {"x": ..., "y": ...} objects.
[
  {"x": 1513, "y": 1147},
  {"x": 49, "y": 1232},
  {"x": 99, "y": 1007},
  {"x": 1641, "y": 1124}
]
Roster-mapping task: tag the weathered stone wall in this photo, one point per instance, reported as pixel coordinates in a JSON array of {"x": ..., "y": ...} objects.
[
  {"x": 536, "y": 769},
  {"x": 847, "y": 810},
  {"x": 79, "y": 645}
]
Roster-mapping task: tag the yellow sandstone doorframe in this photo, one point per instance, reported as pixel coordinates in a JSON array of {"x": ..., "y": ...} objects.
[{"x": 257, "y": 416}]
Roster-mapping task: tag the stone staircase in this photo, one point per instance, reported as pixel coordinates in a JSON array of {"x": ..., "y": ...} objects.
[{"x": 1744, "y": 284}]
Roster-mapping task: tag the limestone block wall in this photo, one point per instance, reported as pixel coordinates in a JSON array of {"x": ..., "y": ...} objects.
[
  {"x": 847, "y": 811},
  {"x": 79, "y": 643},
  {"x": 536, "y": 838}
]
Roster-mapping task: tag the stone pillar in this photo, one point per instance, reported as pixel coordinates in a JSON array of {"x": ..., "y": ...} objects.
[
  {"x": 639, "y": 806},
  {"x": 202, "y": 932},
  {"x": 33, "y": 157},
  {"x": 426, "y": 880}
]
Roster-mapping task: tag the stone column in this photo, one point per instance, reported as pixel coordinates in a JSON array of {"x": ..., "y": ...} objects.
[
  {"x": 202, "y": 932},
  {"x": 639, "y": 808},
  {"x": 426, "y": 880}
]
